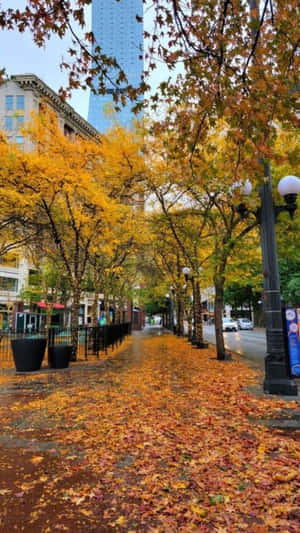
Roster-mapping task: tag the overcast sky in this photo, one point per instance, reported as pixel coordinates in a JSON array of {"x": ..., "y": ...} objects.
[{"x": 19, "y": 55}]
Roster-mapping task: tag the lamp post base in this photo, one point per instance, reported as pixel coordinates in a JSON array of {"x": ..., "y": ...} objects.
[
  {"x": 199, "y": 344},
  {"x": 193, "y": 339},
  {"x": 277, "y": 381}
]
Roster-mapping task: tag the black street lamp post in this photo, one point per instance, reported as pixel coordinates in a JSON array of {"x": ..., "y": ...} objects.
[
  {"x": 278, "y": 378},
  {"x": 169, "y": 313}
]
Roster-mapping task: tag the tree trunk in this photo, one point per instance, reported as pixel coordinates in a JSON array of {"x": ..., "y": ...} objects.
[
  {"x": 114, "y": 309},
  {"x": 198, "y": 315},
  {"x": 106, "y": 307},
  {"x": 118, "y": 313},
  {"x": 179, "y": 314},
  {"x": 121, "y": 311},
  {"x": 49, "y": 309},
  {"x": 75, "y": 308},
  {"x": 190, "y": 326},
  {"x": 219, "y": 303},
  {"x": 95, "y": 309},
  {"x": 250, "y": 310}
]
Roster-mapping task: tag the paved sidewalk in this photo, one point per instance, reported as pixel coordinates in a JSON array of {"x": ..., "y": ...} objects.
[{"x": 159, "y": 437}]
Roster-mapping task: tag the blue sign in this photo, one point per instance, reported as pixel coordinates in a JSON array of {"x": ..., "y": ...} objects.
[{"x": 293, "y": 331}]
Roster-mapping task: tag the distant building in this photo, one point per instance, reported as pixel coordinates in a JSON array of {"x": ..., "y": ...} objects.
[{"x": 119, "y": 35}]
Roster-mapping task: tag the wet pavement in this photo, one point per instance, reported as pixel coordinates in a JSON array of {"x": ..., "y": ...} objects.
[
  {"x": 34, "y": 454},
  {"x": 248, "y": 344}
]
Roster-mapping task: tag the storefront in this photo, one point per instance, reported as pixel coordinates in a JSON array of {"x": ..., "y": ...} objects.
[{"x": 29, "y": 322}]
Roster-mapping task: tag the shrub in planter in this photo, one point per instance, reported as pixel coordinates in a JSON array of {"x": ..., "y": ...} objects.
[
  {"x": 59, "y": 355},
  {"x": 28, "y": 353}
]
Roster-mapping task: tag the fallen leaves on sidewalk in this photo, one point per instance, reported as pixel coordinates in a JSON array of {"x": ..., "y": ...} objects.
[{"x": 163, "y": 442}]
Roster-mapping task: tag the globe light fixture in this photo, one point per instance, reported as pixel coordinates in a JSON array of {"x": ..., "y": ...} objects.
[
  {"x": 246, "y": 188},
  {"x": 186, "y": 271},
  {"x": 289, "y": 187}
]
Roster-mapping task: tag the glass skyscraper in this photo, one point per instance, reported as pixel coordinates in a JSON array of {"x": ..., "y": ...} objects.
[{"x": 119, "y": 35}]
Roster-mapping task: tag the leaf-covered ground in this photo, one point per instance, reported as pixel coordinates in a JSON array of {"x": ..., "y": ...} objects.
[{"x": 159, "y": 437}]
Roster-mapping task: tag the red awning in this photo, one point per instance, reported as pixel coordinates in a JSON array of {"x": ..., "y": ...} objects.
[{"x": 43, "y": 305}]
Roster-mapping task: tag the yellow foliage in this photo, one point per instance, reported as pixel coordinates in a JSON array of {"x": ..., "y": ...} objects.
[{"x": 79, "y": 193}]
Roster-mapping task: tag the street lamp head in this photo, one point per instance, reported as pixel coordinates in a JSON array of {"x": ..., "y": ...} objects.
[
  {"x": 186, "y": 271},
  {"x": 289, "y": 187},
  {"x": 246, "y": 188}
]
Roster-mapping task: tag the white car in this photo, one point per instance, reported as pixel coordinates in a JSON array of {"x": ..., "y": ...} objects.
[
  {"x": 229, "y": 324},
  {"x": 244, "y": 323}
]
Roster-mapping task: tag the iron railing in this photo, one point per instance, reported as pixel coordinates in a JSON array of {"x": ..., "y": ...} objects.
[{"x": 88, "y": 341}]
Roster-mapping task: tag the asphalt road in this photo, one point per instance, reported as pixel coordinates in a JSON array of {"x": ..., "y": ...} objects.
[{"x": 251, "y": 344}]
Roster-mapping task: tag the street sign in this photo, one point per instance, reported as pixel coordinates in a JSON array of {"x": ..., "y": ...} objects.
[{"x": 293, "y": 332}]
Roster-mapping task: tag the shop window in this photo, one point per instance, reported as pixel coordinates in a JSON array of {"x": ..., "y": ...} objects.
[
  {"x": 8, "y": 284},
  {"x": 33, "y": 277}
]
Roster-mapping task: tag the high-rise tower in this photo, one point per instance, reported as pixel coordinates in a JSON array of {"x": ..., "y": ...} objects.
[{"x": 119, "y": 35}]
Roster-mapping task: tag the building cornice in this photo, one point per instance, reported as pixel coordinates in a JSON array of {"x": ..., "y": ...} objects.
[{"x": 32, "y": 82}]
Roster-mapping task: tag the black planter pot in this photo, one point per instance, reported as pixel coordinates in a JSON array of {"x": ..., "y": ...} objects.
[
  {"x": 59, "y": 355},
  {"x": 28, "y": 353}
]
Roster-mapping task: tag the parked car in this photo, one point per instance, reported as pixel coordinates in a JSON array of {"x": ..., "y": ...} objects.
[
  {"x": 229, "y": 324},
  {"x": 244, "y": 323}
]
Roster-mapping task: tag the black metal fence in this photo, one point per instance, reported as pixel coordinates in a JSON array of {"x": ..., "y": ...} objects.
[{"x": 89, "y": 341}]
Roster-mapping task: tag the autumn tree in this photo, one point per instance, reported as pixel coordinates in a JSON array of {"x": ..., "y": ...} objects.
[
  {"x": 16, "y": 228},
  {"x": 78, "y": 195},
  {"x": 200, "y": 206},
  {"x": 110, "y": 267},
  {"x": 67, "y": 201},
  {"x": 123, "y": 173},
  {"x": 287, "y": 150},
  {"x": 48, "y": 282},
  {"x": 163, "y": 269},
  {"x": 183, "y": 223}
]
